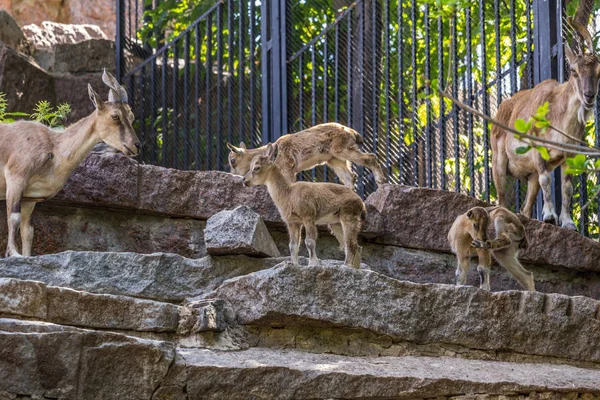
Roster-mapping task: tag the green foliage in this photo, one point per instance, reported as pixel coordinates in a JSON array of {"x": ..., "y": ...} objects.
[
  {"x": 6, "y": 117},
  {"x": 45, "y": 113}
]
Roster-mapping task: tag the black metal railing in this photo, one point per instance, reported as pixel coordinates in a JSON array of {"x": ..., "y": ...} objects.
[
  {"x": 373, "y": 66},
  {"x": 201, "y": 90}
]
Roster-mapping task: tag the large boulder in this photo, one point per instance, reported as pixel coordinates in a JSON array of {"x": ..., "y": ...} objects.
[
  {"x": 421, "y": 218},
  {"x": 531, "y": 323},
  {"x": 23, "y": 82},
  {"x": 91, "y": 55},
  {"x": 49, "y": 34},
  {"x": 239, "y": 231},
  {"x": 52, "y": 361},
  {"x": 162, "y": 277},
  {"x": 11, "y": 35}
]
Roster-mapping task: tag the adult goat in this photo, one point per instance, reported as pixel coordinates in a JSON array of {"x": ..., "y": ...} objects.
[
  {"x": 571, "y": 104},
  {"x": 36, "y": 161}
]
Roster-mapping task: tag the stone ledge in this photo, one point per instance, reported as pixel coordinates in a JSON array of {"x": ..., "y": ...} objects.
[
  {"x": 70, "y": 307},
  {"x": 398, "y": 215},
  {"x": 521, "y": 322},
  {"x": 277, "y": 374},
  {"x": 51, "y": 361},
  {"x": 159, "y": 276}
]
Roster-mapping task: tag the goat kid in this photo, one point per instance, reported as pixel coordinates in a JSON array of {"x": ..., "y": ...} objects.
[
  {"x": 331, "y": 143},
  {"x": 36, "y": 161},
  {"x": 571, "y": 104},
  {"x": 468, "y": 238},
  {"x": 310, "y": 204}
]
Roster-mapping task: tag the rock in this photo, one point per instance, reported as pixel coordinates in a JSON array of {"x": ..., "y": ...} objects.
[
  {"x": 70, "y": 307},
  {"x": 88, "y": 56},
  {"x": 202, "y": 316},
  {"x": 421, "y": 218},
  {"x": 265, "y": 373},
  {"x": 100, "y": 12},
  {"x": 49, "y": 34},
  {"x": 23, "y": 82},
  {"x": 24, "y": 298},
  {"x": 51, "y": 361},
  {"x": 239, "y": 231},
  {"x": 72, "y": 89},
  {"x": 11, "y": 35},
  {"x": 536, "y": 324},
  {"x": 160, "y": 277}
]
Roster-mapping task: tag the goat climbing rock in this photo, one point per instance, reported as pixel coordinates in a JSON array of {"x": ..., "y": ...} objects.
[{"x": 239, "y": 231}]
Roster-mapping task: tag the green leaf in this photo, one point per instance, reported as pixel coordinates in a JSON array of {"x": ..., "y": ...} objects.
[
  {"x": 522, "y": 149},
  {"x": 579, "y": 161},
  {"x": 17, "y": 114},
  {"x": 574, "y": 171},
  {"x": 522, "y": 126},
  {"x": 543, "y": 152},
  {"x": 597, "y": 164}
]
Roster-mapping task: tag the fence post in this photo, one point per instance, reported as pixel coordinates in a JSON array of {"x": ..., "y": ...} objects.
[
  {"x": 274, "y": 69},
  {"x": 120, "y": 39},
  {"x": 548, "y": 64}
]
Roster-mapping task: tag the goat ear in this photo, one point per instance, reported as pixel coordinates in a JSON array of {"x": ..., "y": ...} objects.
[
  {"x": 470, "y": 214},
  {"x": 275, "y": 152},
  {"x": 242, "y": 145},
  {"x": 570, "y": 54},
  {"x": 270, "y": 152},
  {"x": 236, "y": 150},
  {"x": 96, "y": 100},
  {"x": 117, "y": 94}
]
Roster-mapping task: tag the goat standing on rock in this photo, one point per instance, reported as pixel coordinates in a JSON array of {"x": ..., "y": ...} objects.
[
  {"x": 468, "y": 238},
  {"x": 309, "y": 204},
  {"x": 331, "y": 143},
  {"x": 36, "y": 161},
  {"x": 571, "y": 104}
]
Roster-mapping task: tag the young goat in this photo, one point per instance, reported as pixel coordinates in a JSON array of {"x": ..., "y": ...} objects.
[
  {"x": 35, "y": 161},
  {"x": 468, "y": 238},
  {"x": 332, "y": 144},
  {"x": 309, "y": 204}
]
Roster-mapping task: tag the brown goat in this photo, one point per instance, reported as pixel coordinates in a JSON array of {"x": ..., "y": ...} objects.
[
  {"x": 331, "y": 143},
  {"x": 36, "y": 161},
  {"x": 571, "y": 105},
  {"x": 468, "y": 237},
  {"x": 310, "y": 204}
]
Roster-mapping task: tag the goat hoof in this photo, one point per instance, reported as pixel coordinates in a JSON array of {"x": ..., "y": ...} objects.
[
  {"x": 550, "y": 219},
  {"x": 569, "y": 225}
]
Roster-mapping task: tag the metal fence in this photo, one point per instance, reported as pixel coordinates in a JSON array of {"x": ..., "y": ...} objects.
[{"x": 242, "y": 72}]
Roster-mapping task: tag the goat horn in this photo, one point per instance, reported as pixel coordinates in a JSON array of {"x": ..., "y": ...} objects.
[
  {"x": 117, "y": 93},
  {"x": 584, "y": 32}
]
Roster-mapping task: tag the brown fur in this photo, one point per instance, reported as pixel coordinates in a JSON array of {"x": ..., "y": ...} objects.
[
  {"x": 36, "y": 161},
  {"x": 310, "y": 204},
  {"x": 569, "y": 111},
  {"x": 331, "y": 143},
  {"x": 468, "y": 237}
]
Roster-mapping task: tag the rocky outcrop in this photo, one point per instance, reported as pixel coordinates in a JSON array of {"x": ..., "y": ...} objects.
[
  {"x": 48, "y": 34},
  {"x": 536, "y": 324},
  {"x": 23, "y": 82},
  {"x": 53, "y": 361},
  {"x": 100, "y": 12},
  {"x": 421, "y": 218},
  {"x": 239, "y": 231},
  {"x": 161, "y": 277},
  {"x": 11, "y": 35}
]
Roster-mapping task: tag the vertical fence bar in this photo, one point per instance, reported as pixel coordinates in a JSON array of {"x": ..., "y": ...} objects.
[
  {"x": 413, "y": 67},
  {"x": 230, "y": 53},
  {"x": 428, "y": 134},
  {"x": 144, "y": 135},
  {"x": 175, "y": 136},
  {"x": 165, "y": 115},
  {"x": 349, "y": 80},
  {"x": 219, "y": 121},
  {"x": 469, "y": 79},
  {"x": 198, "y": 64},
  {"x": 597, "y": 143},
  {"x": 241, "y": 66},
  {"x": 513, "y": 84},
  {"x": 386, "y": 81},
  {"x": 154, "y": 131},
  {"x": 120, "y": 40},
  {"x": 325, "y": 93},
  {"x": 313, "y": 98},
  {"x": 374, "y": 83},
  {"x": 401, "y": 146},
  {"x": 207, "y": 94},
  {"x": 485, "y": 104},
  {"x": 301, "y": 93},
  {"x": 252, "y": 72},
  {"x": 186, "y": 101},
  {"x": 455, "y": 109},
  {"x": 583, "y": 198},
  {"x": 442, "y": 117},
  {"x": 361, "y": 103},
  {"x": 336, "y": 95}
]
